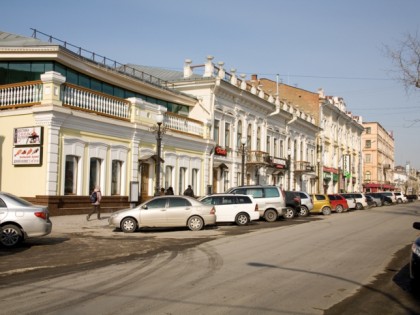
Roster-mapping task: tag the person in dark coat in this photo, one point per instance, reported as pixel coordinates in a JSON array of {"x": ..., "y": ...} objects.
[
  {"x": 189, "y": 191},
  {"x": 96, "y": 206},
  {"x": 169, "y": 191}
]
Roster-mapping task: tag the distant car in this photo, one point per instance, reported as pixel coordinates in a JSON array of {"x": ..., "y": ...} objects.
[
  {"x": 165, "y": 211},
  {"x": 389, "y": 194},
  {"x": 270, "y": 199},
  {"x": 20, "y": 220},
  {"x": 415, "y": 256},
  {"x": 386, "y": 200},
  {"x": 371, "y": 203},
  {"x": 377, "y": 199},
  {"x": 351, "y": 201},
  {"x": 321, "y": 204},
  {"x": 401, "y": 198},
  {"x": 360, "y": 198},
  {"x": 339, "y": 203},
  {"x": 240, "y": 209},
  {"x": 306, "y": 203},
  {"x": 293, "y": 204}
]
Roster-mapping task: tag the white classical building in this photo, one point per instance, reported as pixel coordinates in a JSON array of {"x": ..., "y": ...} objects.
[{"x": 279, "y": 139}]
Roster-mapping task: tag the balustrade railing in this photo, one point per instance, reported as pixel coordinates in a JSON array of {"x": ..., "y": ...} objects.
[
  {"x": 94, "y": 101},
  {"x": 257, "y": 157},
  {"x": 23, "y": 94},
  {"x": 183, "y": 124}
]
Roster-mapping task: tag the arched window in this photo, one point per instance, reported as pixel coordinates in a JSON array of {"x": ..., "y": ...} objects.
[
  {"x": 239, "y": 134},
  {"x": 259, "y": 138},
  {"x": 249, "y": 136},
  {"x": 367, "y": 176}
]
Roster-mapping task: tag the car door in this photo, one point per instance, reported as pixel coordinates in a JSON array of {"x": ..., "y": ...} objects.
[
  {"x": 178, "y": 211},
  {"x": 3, "y": 210},
  {"x": 153, "y": 213}
]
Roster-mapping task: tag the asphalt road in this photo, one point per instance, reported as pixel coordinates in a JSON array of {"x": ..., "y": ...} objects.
[{"x": 197, "y": 264}]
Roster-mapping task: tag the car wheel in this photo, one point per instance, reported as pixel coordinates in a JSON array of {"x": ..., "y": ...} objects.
[
  {"x": 399, "y": 201},
  {"x": 242, "y": 219},
  {"x": 195, "y": 223},
  {"x": 290, "y": 213},
  {"x": 270, "y": 215},
  {"x": 303, "y": 212},
  {"x": 339, "y": 209},
  {"x": 128, "y": 225},
  {"x": 326, "y": 211},
  {"x": 11, "y": 235},
  {"x": 359, "y": 206}
]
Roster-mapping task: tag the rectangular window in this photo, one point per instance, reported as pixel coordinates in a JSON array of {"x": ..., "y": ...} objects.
[
  {"x": 225, "y": 180},
  {"x": 95, "y": 173},
  {"x": 168, "y": 176},
  {"x": 70, "y": 181},
  {"x": 368, "y": 130},
  {"x": 182, "y": 180},
  {"x": 216, "y": 132},
  {"x": 368, "y": 158},
  {"x": 227, "y": 135},
  {"x": 275, "y": 153},
  {"x": 368, "y": 144},
  {"x": 194, "y": 180},
  {"x": 268, "y": 144},
  {"x": 116, "y": 177}
]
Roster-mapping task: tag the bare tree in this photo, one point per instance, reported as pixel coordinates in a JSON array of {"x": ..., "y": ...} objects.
[{"x": 406, "y": 59}]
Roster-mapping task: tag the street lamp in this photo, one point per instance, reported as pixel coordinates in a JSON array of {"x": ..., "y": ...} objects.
[
  {"x": 289, "y": 161},
  {"x": 159, "y": 121},
  {"x": 243, "y": 142}
]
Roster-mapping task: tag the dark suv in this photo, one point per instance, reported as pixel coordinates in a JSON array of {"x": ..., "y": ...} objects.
[{"x": 293, "y": 204}]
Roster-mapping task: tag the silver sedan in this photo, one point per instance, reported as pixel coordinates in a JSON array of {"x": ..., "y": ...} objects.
[
  {"x": 19, "y": 220},
  {"x": 165, "y": 211}
]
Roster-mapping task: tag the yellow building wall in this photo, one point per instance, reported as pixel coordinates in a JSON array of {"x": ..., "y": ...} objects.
[{"x": 22, "y": 180}]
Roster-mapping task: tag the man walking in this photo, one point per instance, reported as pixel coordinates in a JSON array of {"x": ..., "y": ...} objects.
[{"x": 95, "y": 199}]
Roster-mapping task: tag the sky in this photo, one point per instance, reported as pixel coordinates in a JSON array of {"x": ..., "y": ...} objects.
[{"x": 335, "y": 45}]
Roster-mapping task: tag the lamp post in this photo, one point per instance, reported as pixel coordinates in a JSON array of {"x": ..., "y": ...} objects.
[
  {"x": 243, "y": 142},
  {"x": 159, "y": 121},
  {"x": 289, "y": 162}
]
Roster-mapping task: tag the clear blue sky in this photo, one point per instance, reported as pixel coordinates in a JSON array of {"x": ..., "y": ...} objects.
[{"x": 336, "y": 45}]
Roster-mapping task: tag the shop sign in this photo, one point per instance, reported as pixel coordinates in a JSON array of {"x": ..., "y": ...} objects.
[
  {"x": 27, "y": 155},
  {"x": 279, "y": 163},
  {"x": 220, "y": 151},
  {"x": 27, "y": 136}
]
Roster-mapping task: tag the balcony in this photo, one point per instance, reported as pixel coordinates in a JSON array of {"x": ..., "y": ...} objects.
[
  {"x": 257, "y": 158},
  {"x": 304, "y": 167},
  {"x": 29, "y": 94}
]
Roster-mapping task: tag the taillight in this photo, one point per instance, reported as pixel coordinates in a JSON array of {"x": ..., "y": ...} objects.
[
  {"x": 213, "y": 211},
  {"x": 41, "y": 214},
  {"x": 256, "y": 207}
]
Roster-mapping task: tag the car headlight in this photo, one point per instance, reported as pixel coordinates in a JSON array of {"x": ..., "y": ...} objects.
[{"x": 415, "y": 248}]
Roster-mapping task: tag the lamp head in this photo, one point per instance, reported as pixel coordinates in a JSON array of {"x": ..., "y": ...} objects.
[
  {"x": 159, "y": 118},
  {"x": 243, "y": 140}
]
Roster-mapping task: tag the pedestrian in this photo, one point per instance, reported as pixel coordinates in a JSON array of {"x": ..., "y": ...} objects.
[
  {"x": 162, "y": 191},
  {"x": 95, "y": 199},
  {"x": 169, "y": 191},
  {"x": 189, "y": 191}
]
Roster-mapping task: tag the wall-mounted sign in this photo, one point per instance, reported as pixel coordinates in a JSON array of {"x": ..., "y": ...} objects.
[
  {"x": 27, "y": 155},
  {"x": 220, "y": 151},
  {"x": 27, "y": 136}
]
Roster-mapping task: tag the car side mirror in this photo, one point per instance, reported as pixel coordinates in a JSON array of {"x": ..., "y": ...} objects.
[
  {"x": 144, "y": 207},
  {"x": 416, "y": 225}
]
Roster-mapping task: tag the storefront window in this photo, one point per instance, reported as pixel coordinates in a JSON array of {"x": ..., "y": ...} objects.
[
  {"x": 116, "y": 177},
  {"x": 95, "y": 173},
  {"x": 70, "y": 184}
]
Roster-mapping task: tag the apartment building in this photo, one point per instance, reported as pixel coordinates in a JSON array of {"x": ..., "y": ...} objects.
[{"x": 378, "y": 158}]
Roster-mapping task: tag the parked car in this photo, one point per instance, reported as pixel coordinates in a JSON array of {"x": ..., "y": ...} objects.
[
  {"x": 270, "y": 199},
  {"x": 371, "y": 203},
  {"x": 20, "y": 220},
  {"x": 165, "y": 211},
  {"x": 378, "y": 200},
  {"x": 386, "y": 200},
  {"x": 306, "y": 203},
  {"x": 351, "y": 201},
  {"x": 389, "y": 194},
  {"x": 293, "y": 204},
  {"x": 415, "y": 256},
  {"x": 338, "y": 203},
  {"x": 321, "y": 204},
  {"x": 401, "y": 198},
  {"x": 240, "y": 209},
  {"x": 360, "y": 199}
]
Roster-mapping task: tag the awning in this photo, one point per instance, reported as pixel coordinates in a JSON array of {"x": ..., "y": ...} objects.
[
  {"x": 220, "y": 165},
  {"x": 330, "y": 170},
  {"x": 150, "y": 156}
]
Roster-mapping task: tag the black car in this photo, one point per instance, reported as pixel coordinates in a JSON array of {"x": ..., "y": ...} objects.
[
  {"x": 415, "y": 256},
  {"x": 371, "y": 203},
  {"x": 293, "y": 204}
]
